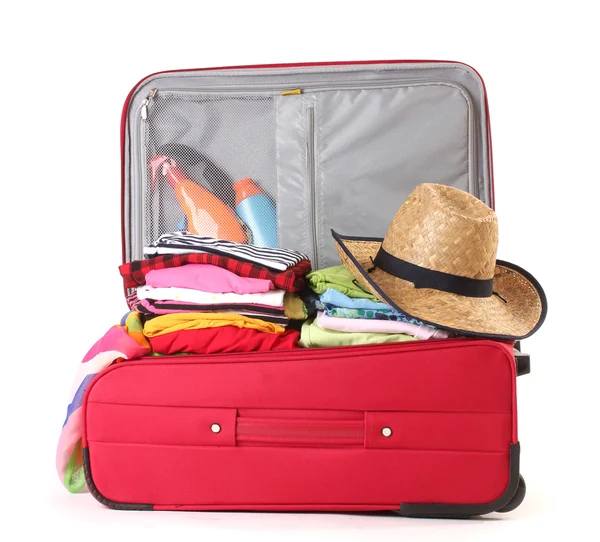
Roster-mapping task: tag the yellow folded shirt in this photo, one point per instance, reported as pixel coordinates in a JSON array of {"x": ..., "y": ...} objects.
[{"x": 179, "y": 321}]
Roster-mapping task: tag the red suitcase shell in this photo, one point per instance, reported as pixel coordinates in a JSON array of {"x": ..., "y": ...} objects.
[{"x": 421, "y": 429}]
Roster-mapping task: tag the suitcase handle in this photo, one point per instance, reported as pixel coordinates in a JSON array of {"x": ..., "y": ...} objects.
[{"x": 522, "y": 361}]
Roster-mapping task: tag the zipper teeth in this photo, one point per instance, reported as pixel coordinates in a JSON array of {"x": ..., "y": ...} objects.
[
  {"x": 310, "y": 352},
  {"x": 473, "y": 150},
  {"x": 311, "y": 172},
  {"x": 313, "y": 87},
  {"x": 142, "y": 186}
]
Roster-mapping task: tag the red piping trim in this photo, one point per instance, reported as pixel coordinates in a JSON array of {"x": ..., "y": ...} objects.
[{"x": 298, "y": 65}]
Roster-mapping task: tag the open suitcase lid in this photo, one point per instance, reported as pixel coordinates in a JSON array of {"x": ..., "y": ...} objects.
[{"x": 335, "y": 145}]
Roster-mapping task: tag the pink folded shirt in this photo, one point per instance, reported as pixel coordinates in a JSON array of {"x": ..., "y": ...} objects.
[
  {"x": 208, "y": 278},
  {"x": 361, "y": 325}
]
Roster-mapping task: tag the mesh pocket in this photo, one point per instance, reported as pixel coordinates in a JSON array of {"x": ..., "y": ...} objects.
[{"x": 210, "y": 163}]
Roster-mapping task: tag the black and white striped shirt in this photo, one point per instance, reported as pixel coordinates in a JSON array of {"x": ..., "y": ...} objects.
[{"x": 181, "y": 242}]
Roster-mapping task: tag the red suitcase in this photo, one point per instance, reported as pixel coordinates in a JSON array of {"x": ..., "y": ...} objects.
[{"x": 427, "y": 428}]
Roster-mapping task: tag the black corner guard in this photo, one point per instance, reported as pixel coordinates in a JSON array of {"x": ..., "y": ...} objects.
[
  {"x": 461, "y": 511},
  {"x": 101, "y": 498},
  {"x": 523, "y": 363}
]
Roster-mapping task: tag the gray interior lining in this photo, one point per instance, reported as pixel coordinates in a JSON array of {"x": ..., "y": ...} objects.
[
  {"x": 375, "y": 146},
  {"x": 372, "y": 146}
]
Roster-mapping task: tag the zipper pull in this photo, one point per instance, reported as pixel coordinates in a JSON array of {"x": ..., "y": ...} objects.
[
  {"x": 291, "y": 92},
  {"x": 145, "y": 103}
]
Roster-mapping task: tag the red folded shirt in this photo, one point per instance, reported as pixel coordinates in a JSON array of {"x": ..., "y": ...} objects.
[
  {"x": 220, "y": 340},
  {"x": 290, "y": 280}
]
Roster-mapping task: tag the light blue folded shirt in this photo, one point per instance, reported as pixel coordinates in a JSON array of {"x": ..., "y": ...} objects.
[
  {"x": 334, "y": 297},
  {"x": 339, "y": 305}
]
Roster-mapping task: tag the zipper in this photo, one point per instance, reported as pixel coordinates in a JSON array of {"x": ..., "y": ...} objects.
[
  {"x": 304, "y": 354},
  {"x": 146, "y": 102},
  {"x": 312, "y": 184},
  {"x": 139, "y": 225},
  {"x": 277, "y": 90},
  {"x": 300, "y": 432}
]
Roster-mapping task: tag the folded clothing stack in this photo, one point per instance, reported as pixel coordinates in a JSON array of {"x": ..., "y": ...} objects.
[
  {"x": 204, "y": 295},
  {"x": 348, "y": 315}
]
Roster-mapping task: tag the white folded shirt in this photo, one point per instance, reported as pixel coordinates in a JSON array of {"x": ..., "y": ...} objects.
[{"x": 273, "y": 298}]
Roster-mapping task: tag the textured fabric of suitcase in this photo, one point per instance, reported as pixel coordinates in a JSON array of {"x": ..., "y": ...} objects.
[
  {"x": 425, "y": 428},
  {"x": 356, "y": 428}
]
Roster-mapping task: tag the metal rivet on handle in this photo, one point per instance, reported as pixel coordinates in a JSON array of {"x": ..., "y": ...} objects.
[
  {"x": 215, "y": 428},
  {"x": 386, "y": 432}
]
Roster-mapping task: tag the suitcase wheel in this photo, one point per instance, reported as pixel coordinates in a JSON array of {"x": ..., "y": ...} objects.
[{"x": 517, "y": 497}]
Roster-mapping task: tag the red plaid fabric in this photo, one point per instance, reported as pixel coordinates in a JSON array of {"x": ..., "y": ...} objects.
[{"x": 291, "y": 280}]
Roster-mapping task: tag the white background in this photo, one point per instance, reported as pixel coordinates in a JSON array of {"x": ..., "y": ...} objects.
[{"x": 66, "y": 69}]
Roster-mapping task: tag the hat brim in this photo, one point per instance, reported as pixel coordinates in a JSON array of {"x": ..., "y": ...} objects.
[{"x": 516, "y": 311}]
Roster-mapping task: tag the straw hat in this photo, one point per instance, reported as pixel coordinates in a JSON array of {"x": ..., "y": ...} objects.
[{"x": 438, "y": 263}]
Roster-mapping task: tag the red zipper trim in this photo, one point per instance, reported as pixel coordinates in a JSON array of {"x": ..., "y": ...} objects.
[
  {"x": 266, "y": 66},
  {"x": 304, "y": 432},
  {"x": 329, "y": 352}
]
